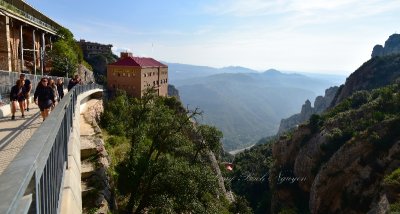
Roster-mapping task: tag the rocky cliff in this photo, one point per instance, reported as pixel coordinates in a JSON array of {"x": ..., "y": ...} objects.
[
  {"x": 173, "y": 92},
  {"x": 392, "y": 46},
  {"x": 375, "y": 73},
  {"x": 342, "y": 161},
  {"x": 321, "y": 103},
  {"x": 382, "y": 69}
]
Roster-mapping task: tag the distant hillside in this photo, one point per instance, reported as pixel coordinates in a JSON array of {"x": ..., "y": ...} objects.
[
  {"x": 345, "y": 160},
  {"x": 247, "y": 106},
  {"x": 180, "y": 73}
]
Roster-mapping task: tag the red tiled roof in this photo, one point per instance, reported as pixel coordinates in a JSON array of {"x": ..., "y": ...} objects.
[{"x": 138, "y": 61}]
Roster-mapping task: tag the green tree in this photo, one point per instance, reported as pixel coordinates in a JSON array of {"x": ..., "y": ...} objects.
[
  {"x": 65, "y": 54},
  {"x": 159, "y": 173}
]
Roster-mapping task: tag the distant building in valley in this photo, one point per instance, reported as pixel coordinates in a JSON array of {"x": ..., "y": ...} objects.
[
  {"x": 136, "y": 74},
  {"x": 92, "y": 48}
]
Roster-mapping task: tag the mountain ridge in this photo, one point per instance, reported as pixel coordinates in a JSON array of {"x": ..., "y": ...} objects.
[{"x": 245, "y": 106}]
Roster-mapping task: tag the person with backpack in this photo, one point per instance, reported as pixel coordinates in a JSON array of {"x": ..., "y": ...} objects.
[
  {"x": 60, "y": 89},
  {"x": 74, "y": 81},
  {"x": 44, "y": 97},
  {"x": 53, "y": 86},
  {"x": 17, "y": 94},
  {"x": 28, "y": 89}
]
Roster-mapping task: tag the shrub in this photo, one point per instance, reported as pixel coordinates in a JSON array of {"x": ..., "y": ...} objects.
[
  {"x": 287, "y": 210},
  {"x": 395, "y": 208},
  {"x": 359, "y": 98},
  {"x": 316, "y": 122},
  {"x": 393, "y": 179}
]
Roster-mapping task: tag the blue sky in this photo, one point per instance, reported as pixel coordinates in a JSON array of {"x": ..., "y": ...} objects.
[{"x": 324, "y": 36}]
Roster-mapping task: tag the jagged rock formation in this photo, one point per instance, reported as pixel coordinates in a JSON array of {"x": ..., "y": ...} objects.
[
  {"x": 392, "y": 46},
  {"x": 173, "y": 92},
  {"x": 375, "y": 73},
  {"x": 344, "y": 160},
  {"x": 321, "y": 103},
  {"x": 340, "y": 162},
  {"x": 85, "y": 74}
]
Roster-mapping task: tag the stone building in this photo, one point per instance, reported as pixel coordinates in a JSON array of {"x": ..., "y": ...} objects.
[
  {"x": 136, "y": 74},
  {"x": 25, "y": 35},
  {"x": 92, "y": 48}
]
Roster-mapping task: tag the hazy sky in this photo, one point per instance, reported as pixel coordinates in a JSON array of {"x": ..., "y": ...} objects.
[{"x": 331, "y": 36}]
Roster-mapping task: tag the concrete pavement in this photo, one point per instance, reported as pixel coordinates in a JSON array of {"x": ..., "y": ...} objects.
[{"x": 15, "y": 133}]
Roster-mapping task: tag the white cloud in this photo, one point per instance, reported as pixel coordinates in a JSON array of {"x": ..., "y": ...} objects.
[{"x": 302, "y": 8}]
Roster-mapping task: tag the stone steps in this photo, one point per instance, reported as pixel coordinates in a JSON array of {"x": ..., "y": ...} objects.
[
  {"x": 87, "y": 189},
  {"x": 88, "y": 148},
  {"x": 87, "y": 169}
]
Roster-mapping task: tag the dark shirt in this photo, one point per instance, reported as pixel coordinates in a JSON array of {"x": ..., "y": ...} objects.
[
  {"x": 44, "y": 94},
  {"x": 60, "y": 89},
  {"x": 72, "y": 83},
  {"x": 27, "y": 85},
  {"x": 17, "y": 93}
]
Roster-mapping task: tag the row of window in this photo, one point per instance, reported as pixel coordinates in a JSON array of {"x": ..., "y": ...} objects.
[
  {"x": 149, "y": 74},
  {"x": 133, "y": 74},
  {"x": 156, "y": 82},
  {"x": 124, "y": 74},
  {"x": 98, "y": 47}
]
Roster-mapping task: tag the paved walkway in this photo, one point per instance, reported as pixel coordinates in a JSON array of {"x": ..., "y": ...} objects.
[{"x": 15, "y": 133}]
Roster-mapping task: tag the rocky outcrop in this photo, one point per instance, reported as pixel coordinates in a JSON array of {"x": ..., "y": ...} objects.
[
  {"x": 173, "y": 92},
  {"x": 321, "y": 103},
  {"x": 375, "y": 73},
  {"x": 341, "y": 162},
  {"x": 96, "y": 190},
  {"x": 382, "y": 69},
  {"x": 392, "y": 46},
  {"x": 85, "y": 74},
  {"x": 350, "y": 182}
]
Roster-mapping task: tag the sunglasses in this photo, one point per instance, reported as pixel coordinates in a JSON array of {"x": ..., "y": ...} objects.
[{"x": 44, "y": 80}]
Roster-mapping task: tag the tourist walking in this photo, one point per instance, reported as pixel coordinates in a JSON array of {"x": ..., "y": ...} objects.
[
  {"x": 53, "y": 86},
  {"x": 28, "y": 89},
  {"x": 73, "y": 82},
  {"x": 17, "y": 94},
  {"x": 60, "y": 89},
  {"x": 44, "y": 97}
]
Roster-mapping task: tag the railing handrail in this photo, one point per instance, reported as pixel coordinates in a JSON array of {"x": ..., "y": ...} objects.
[{"x": 25, "y": 171}]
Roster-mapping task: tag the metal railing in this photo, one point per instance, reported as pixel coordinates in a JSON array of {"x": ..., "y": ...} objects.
[{"x": 32, "y": 183}]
